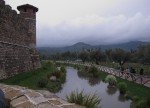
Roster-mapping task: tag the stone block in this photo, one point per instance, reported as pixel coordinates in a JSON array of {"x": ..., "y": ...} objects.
[
  {"x": 62, "y": 101},
  {"x": 7, "y": 89},
  {"x": 13, "y": 94},
  {"x": 18, "y": 101},
  {"x": 46, "y": 105},
  {"x": 47, "y": 94},
  {"x": 32, "y": 94},
  {"x": 55, "y": 102},
  {"x": 38, "y": 100},
  {"x": 26, "y": 104}
]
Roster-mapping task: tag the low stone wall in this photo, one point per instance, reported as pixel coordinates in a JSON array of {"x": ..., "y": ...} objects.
[{"x": 22, "y": 97}]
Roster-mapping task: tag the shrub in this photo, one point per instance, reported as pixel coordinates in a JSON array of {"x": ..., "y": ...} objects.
[
  {"x": 135, "y": 98},
  {"x": 127, "y": 95},
  {"x": 49, "y": 64},
  {"x": 92, "y": 101},
  {"x": 49, "y": 75},
  {"x": 42, "y": 83},
  {"x": 89, "y": 101},
  {"x": 57, "y": 73},
  {"x": 141, "y": 104},
  {"x": 148, "y": 101},
  {"x": 122, "y": 87},
  {"x": 77, "y": 67},
  {"x": 86, "y": 68},
  {"x": 76, "y": 97},
  {"x": 111, "y": 80},
  {"x": 93, "y": 71},
  {"x": 44, "y": 68},
  {"x": 63, "y": 69}
]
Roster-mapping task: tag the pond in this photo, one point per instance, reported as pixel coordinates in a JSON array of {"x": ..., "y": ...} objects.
[{"x": 111, "y": 97}]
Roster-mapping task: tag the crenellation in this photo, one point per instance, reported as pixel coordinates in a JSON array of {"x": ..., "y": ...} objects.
[
  {"x": 8, "y": 7},
  {"x": 16, "y": 37},
  {"x": 2, "y": 3}
]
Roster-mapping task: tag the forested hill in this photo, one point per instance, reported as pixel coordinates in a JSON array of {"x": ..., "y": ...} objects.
[
  {"x": 74, "y": 48},
  {"x": 80, "y": 46}
]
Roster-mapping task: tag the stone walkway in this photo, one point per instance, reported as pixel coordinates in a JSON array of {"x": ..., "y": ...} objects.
[
  {"x": 144, "y": 80},
  {"x": 22, "y": 97}
]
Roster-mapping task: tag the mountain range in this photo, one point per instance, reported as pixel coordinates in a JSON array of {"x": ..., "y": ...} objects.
[{"x": 80, "y": 46}]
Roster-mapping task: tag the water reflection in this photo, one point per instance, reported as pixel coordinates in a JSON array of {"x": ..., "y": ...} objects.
[
  {"x": 92, "y": 81},
  {"x": 121, "y": 98},
  {"x": 111, "y": 90},
  {"x": 111, "y": 97},
  {"x": 82, "y": 74}
]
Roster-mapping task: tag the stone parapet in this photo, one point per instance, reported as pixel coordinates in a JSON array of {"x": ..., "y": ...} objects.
[
  {"x": 13, "y": 27},
  {"x": 22, "y": 97}
]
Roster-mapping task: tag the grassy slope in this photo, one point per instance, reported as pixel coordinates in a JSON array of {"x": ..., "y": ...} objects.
[
  {"x": 31, "y": 79},
  {"x": 28, "y": 79}
]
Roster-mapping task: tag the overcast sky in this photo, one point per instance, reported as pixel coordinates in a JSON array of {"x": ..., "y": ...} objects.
[{"x": 66, "y": 22}]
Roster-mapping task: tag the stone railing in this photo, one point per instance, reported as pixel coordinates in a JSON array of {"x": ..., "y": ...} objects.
[{"x": 22, "y": 97}]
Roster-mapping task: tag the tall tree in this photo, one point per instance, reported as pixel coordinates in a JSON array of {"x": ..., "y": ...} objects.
[{"x": 84, "y": 56}]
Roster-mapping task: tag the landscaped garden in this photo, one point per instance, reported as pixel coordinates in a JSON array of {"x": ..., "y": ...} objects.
[{"x": 52, "y": 75}]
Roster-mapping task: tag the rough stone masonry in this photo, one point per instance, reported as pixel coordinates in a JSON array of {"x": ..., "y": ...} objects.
[{"x": 17, "y": 40}]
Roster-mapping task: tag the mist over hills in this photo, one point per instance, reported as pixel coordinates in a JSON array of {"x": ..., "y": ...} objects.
[{"x": 80, "y": 46}]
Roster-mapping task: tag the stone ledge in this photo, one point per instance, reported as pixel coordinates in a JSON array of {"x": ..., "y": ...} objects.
[{"x": 22, "y": 97}]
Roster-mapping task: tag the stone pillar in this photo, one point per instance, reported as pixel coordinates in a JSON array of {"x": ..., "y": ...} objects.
[{"x": 28, "y": 12}]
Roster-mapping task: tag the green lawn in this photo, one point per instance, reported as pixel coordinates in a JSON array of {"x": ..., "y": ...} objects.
[{"x": 31, "y": 79}]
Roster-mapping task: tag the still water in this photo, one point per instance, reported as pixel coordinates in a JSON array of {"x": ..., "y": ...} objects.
[{"x": 111, "y": 97}]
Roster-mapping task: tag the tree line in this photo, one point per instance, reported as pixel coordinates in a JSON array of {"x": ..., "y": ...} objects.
[{"x": 139, "y": 55}]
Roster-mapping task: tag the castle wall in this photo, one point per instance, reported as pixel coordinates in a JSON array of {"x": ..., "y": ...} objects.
[{"x": 16, "y": 55}]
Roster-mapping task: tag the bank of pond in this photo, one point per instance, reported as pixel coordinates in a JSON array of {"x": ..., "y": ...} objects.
[{"x": 84, "y": 85}]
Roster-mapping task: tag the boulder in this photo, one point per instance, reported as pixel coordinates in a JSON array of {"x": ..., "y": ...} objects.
[{"x": 53, "y": 78}]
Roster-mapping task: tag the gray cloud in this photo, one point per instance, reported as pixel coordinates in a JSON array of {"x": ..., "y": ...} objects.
[
  {"x": 65, "y": 22},
  {"x": 96, "y": 30}
]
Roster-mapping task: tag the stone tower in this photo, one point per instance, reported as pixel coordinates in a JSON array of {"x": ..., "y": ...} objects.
[
  {"x": 18, "y": 51},
  {"x": 28, "y": 12}
]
